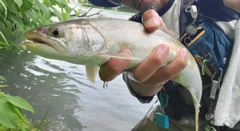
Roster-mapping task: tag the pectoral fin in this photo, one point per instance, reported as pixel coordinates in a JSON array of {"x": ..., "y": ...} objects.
[{"x": 92, "y": 72}]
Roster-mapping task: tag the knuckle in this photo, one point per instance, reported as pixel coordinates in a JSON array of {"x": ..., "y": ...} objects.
[
  {"x": 156, "y": 61},
  {"x": 148, "y": 14}
]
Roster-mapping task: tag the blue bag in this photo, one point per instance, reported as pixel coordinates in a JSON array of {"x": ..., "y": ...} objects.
[{"x": 210, "y": 47}]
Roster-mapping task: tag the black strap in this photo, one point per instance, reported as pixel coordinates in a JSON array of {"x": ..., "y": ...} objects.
[
  {"x": 208, "y": 56},
  {"x": 175, "y": 100}
]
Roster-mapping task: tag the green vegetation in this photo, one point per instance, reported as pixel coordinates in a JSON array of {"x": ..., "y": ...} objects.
[
  {"x": 11, "y": 115},
  {"x": 18, "y": 16}
]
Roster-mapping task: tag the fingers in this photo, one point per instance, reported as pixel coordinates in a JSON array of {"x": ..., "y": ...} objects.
[
  {"x": 113, "y": 67},
  {"x": 151, "y": 64},
  {"x": 162, "y": 74},
  {"x": 169, "y": 71},
  {"x": 150, "y": 70},
  {"x": 152, "y": 21}
]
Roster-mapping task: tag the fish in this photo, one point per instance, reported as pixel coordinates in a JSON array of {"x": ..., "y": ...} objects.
[{"x": 93, "y": 41}]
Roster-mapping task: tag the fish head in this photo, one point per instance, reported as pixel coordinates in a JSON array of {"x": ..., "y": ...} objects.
[{"x": 65, "y": 40}]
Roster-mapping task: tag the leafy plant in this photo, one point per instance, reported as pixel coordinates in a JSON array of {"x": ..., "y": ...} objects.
[
  {"x": 19, "y": 16},
  {"x": 11, "y": 115}
]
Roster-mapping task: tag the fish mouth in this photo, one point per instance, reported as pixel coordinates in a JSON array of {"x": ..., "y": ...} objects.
[{"x": 36, "y": 39}]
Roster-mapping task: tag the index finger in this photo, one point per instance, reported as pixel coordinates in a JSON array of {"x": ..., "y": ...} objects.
[{"x": 114, "y": 67}]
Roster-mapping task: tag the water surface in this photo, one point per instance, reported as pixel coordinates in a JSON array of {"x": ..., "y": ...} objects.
[{"x": 76, "y": 103}]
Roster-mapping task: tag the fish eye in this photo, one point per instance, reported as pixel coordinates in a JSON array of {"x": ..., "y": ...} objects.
[{"x": 55, "y": 32}]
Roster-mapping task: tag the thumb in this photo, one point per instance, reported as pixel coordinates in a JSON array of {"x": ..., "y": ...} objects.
[{"x": 152, "y": 21}]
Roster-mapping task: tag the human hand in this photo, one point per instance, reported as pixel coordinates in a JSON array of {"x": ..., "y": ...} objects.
[{"x": 149, "y": 71}]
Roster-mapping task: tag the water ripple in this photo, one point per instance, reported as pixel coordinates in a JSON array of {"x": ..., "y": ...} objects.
[{"x": 76, "y": 103}]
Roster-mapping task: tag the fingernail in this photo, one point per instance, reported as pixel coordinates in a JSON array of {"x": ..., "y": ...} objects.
[
  {"x": 183, "y": 53},
  {"x": 152, "y": 21},
  {"x": 162, "y": 49}
]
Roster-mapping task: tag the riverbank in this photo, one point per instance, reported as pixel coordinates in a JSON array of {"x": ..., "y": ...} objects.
[{"x": 102, "y": 12}]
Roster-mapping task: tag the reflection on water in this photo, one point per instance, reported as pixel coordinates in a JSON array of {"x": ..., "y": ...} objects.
[{"x": 76, "y": 103}]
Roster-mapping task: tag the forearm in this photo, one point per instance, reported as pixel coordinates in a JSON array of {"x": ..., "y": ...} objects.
[{"x": 233, "y": 4}]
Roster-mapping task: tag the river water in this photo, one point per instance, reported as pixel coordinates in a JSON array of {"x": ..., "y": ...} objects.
[{"x": 75, "y": 103}]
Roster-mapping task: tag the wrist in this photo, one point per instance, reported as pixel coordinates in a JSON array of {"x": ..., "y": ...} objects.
[
  {"x": 136, "y": 82},
  {"x": 139, "y": 88}
]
